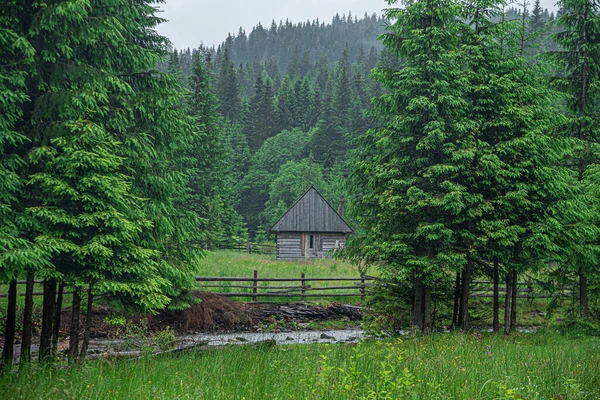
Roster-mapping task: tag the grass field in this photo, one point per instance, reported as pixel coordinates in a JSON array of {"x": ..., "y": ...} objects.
[
  {"x": 443, "y": 366},
  {"x": 240, "y": 264},
  {"x": 233, "y": 263}
]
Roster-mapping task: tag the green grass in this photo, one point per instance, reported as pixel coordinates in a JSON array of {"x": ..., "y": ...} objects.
[
  {"x": 234, "y": 263},
  {"x": 239, "y": 264},
  {"x": 443, "y": 366}
]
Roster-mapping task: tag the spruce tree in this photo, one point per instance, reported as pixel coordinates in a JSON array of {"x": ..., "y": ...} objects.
[
  {"x": 409, "y": 174},
  {"x": 16, "y": 252},
  {"x": 261, "y": 122},
  {"x": 205, "y": 162},
  {"x": 227, "y": 89},
  {"x": 578, "y": 62},
  {"x": 96, "y": 93},
  {"x": 456, "y": 178}
]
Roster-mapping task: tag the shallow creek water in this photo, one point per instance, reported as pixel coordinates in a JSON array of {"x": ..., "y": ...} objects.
[
  {"x": 299, "y": 337},
  {"x": 120, "y": 346}
]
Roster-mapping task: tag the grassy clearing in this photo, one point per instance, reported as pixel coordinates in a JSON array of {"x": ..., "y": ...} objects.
[
  {"x": 234, "y": 263},
  {"x": 239, "y": 264},
  {"x": 443, "y": 366}
]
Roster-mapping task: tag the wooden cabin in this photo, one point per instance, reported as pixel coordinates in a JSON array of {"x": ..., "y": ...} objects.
[{"x": 310, "y": 228}]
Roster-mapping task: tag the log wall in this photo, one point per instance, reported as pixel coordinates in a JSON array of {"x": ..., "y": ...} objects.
[{"x": 295, "y": 245}]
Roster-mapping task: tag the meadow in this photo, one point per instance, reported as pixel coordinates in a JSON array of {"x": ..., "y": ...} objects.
[
  {"x": 239, "y": 264},
  {"x": 235, "y": 263},
  {"x": 542, "y": 365}
]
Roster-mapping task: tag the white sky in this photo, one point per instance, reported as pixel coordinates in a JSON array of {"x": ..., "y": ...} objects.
[{"x": 192, "y": 22}]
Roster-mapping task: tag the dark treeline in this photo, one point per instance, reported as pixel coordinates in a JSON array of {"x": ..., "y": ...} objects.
[
  {"x": 300, "y": 94},
  {"x": 290, "y": 112}
]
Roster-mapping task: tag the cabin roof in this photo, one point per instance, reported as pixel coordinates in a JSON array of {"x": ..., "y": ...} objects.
[{"x": 311, "y": 213}]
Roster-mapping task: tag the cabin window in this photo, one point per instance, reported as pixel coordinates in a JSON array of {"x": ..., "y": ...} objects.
[{"x": 312, "y": 242}]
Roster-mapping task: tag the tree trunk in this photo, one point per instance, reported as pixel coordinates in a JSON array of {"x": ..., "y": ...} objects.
[
  {"x": 513, "y": 306},
  {"x": 87, "y": 326},
  {"x": 74, "y": 333},
  {"x": 465, "y": 322},
  {"x": 507, "y": 297},
  {"x": 583, "y": 295},
  {"x": 10, "y": 327},
  {"x": 417, "y": 317},
  {"x": 455, "y": 311},
  {"x": 57, "y": 316},
  {"x": 27, "y": 319},
  {"x": 47, "y": 320},
  {"x": 496, "y": 303},
  {"x": 427, "y": 325}
]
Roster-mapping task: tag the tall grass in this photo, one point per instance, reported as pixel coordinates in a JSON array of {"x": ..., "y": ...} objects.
[{"x": 443, "y": 366}]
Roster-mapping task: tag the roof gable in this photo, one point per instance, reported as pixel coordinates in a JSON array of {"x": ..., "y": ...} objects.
[{"x": 311, "y": 213}]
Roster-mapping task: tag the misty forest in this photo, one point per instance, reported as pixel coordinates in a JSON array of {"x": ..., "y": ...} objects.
[{"x": 141, "y": 186}]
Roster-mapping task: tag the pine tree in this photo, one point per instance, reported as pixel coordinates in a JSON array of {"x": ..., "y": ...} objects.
[
  {"x": 16, "y": 252},
  {"x": 579, "y": 77},
  {"x": 227, "y": 89},
  {"x": 206, "y": 163},
  {"x": 261, "y": 122}
]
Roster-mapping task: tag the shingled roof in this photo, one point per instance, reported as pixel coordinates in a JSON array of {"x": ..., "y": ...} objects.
[{"x": 311, "y": 213}]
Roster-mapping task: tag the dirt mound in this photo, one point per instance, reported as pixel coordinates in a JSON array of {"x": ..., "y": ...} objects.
[{"x": 215, "y": 312}]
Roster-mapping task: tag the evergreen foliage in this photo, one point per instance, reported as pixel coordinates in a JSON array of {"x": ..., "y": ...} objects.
[
  {"x": 463, "y": 171},
  {"x": 102, "y": 139},
  {"x": 578, "y": 62}
]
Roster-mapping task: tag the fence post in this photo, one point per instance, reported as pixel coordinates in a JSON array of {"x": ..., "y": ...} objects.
[
  {"x": 248, "y": 247},
  {"x": 303, "y": 283},
  {"x": 255, "y": 288},
  {"x": 362, "y": 288}
]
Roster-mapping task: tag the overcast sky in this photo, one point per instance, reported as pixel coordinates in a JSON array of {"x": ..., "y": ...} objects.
[{"x": 191, "y": 22}]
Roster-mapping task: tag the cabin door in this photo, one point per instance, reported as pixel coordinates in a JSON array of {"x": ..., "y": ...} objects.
[{"x": 311, "y": 244}]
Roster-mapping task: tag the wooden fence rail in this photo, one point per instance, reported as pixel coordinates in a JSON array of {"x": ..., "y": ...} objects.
[
  {"x": 302, "y": 289},
  {"x": 257, "y": 248},
  {"x": 254, "y": 287}
]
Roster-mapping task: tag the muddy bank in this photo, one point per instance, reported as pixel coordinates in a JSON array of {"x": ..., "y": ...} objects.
[{"x": 211, "y": 314}]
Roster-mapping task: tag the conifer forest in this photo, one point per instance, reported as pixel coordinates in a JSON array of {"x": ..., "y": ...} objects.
[{"x": 459, "y": 138}]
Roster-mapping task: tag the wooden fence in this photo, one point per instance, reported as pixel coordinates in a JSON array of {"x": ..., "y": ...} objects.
[
  {"x": 303, "y": 287},
  {"x": 258, "y": 248},
  {"x": 284, "y": 287},
  {"x": 525, "y": 290}
]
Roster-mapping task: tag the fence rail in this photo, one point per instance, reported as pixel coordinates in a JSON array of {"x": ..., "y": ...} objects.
[
  {"x": 257, "y": 248},
  {"x": 258, "y": 289},
  {"x": 254, "y": 287}
]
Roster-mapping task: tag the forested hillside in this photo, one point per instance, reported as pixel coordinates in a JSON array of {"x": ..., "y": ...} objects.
[{"x": 294, "y": 97}]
